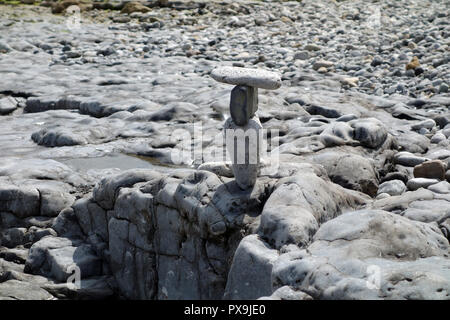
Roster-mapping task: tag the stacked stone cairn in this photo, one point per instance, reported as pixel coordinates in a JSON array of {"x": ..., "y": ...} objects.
[{"x": 243, "y": 130}]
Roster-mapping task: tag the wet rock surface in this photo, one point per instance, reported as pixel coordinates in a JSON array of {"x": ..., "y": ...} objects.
[{"x": 97, "y": 170}]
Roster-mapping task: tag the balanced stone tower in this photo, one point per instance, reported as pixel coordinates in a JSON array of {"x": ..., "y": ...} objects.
[{"x": 243, "y": 130}]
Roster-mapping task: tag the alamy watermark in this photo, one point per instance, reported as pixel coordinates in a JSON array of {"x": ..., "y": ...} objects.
[
  {"x": 239, "y": 146},
  {"x": 74, "y": 280}
]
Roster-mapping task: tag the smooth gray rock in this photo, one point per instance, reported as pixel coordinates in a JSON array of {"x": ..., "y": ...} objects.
[
  {"x": 35, "y": 234},
  {"x": 39, "y": 221},
  {"x": 57, "y": 138},
  {"x": 91, "y": 218},
  {"x": 400, "y": 203},
  {"x": 21, "y": 201},
  {"x": 427, "y": 124},
  {"x": 93, "y": 288},
  {"x": 284, "y": 220},
  {"x": 53, "y": 201},
  {"x": 363, "y": 254},
  {"x": 416, "y": 183},
  {"x": 382, "y": 195},
  {"x": 105, "y": 191},
  {"x": 312, "y": 47},
  {"x": 250, "y": 275},
  {"x": 7, "y": 105},
  {"x": 66, "y": 224},
  {"x": 287, "y": 293},
  {"x": 438, "y": 137},
  {"x": 409, "y": 160},
  {"x": 61, "y": 260},
  {"x": 322, "y": 63},
  {"x": 327, "y": 112},
  {"x": 396, "y": 175},
  {"x": 428, "y": 210},
  {"x": 55, "y": 258},
  {"x": 219, "y": 168},
  {"x": 244, "y": 154},
  {"x": 12, "y": 237},
  {"x": 302, "y": 55},
  {"x": 370, "y": 132},
  {"x": 413, "y": 142},
  {"x": 349, "y": 170},
  {"x": 243, "y": 104},
  {"x": 338, "y": 133},
  {"x": 440, "y": 187},
  {"x": 248, "y": 77},
  {"x": 392, "y": 187},
  {"x": 21, "y": 290},
  {"x": 291, "y": 217}
]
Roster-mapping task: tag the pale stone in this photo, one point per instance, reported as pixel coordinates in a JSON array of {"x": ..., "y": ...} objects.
[
  {"x": 243, "y": 104},
  {"x": 249, "y": 77},
  {"x": 245, "y": 157}
]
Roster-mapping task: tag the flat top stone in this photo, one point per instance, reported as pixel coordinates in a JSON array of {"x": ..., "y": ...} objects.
[{"x": 249, "y": 77}]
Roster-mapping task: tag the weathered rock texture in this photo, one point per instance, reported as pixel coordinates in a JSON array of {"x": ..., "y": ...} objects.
[{"x": 175, "y": 236}]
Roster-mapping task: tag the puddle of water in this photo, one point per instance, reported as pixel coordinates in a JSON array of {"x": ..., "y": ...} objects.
[{"x": 117, "y": 161}]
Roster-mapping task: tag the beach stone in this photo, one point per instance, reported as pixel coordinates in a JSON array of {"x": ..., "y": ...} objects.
[
  {"x": 52, "y": 257},
  {"x": 395, "y": 176},
  {"x": 350, "y": 171},
  {"x": 53, "y": 201},
  {"x": 416, "y": 183},
  {"x": 287, "y": 293},
  {"x": 249, "y": 77},
  {"x": 323, "y": 64},
  {"x": 428, "y": 210},
  {"x": 382, "y": 196},
  {"x": 243, "y": 104},
  {"x": 289, "y": 216},
  {"x": 21, "y": 290},
  {"x": 370, "y": 132},
  {"x": 446, "y": 131},
  {"x": 441, "y": 187},
  {"x": 413, "y": 142},
  {"x": 347, "y": 117},
  {"x": 61, "y": 259},
  {"x": 251, "y": 270},
  {"x": 312, "y": 47},
  {"x": 427, "y": 124},
  {"x": 134, "y": 6},
  {"x": 7, "y": 105},
  {"x": 302, "y": 55},
  {"x": 245, "y": 157},
  {"x": 413, "y": 64},
  {"x": 442, "y": 120},
  {"x": 440, "y": 154},
  {"x": 408, "y": 159},
  {"x": 12, "y": 237},
  {"x": 433, "y": 169},
  {"x": 438, "y": 137},
  {"x": 392, "y": 187},
  {"x": 4, "y": 47}
]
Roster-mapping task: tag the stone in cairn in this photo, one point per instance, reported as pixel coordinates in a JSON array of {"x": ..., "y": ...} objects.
[{"x": 243, "y": 131}]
